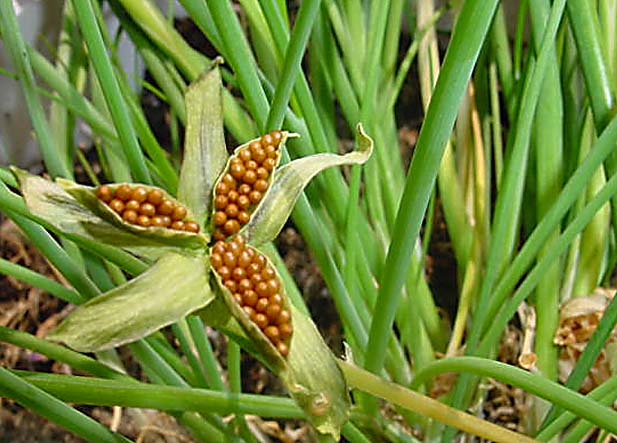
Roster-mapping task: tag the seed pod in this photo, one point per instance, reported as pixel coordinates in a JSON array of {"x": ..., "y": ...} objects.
[
  {"x": 243, "y": 182},
  {"x": 143, "y": 206},
  {"x": 260, "y": 298}
]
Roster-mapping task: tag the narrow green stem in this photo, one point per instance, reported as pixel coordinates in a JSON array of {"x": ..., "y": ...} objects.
[
  {"x": 500, "y": 320},
  {"x": 240, "y": 58},
  {"x": 38, "y": 280},
  {"x": 57, "y": 256},
  {"x": 102, "y": 392},
  {"x": 234, "y": 371},
  {"x": 111, "y": 89},
  {"x": 182, "y": 333},
  {"x": 427, "y": 407},
  {"x": 292, "y": 63},
  {"x": 535, "y": 384},
  {"x": 547, "y": 139},
  {"x": 35, "y": 399},
  {"x": 585, "y": 26},
  {"x": 462, "y": 53},
  {"x": 16, "y": 48},
  {"x": 206, "y": 355},
  {"x": 59, "y": 353}
]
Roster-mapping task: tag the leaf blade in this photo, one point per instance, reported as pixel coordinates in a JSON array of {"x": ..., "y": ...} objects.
[
  {"x": 171, "y": 289},
  {"x": 205, "y": 153}
]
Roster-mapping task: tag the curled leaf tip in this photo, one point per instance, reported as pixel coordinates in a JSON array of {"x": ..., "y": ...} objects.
[
  {"x": 218, "y": 60},
  {"x": 365, "y": 143}
]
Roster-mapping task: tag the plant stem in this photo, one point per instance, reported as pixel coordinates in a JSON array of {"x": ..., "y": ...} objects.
[{"x": 365, "y": 381}]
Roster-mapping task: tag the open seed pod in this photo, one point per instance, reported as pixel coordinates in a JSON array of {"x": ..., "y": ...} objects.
[
  {"x": 257, "y": 314},
  {"x": 142, "y": 209},
  {"x": 578, "y": 319},
  {"x": 184, "y": 275},
  {"x": 244, "y": 182},
  {"x": 146, "y": 206},
  {"x": 253, "y": 292},
  {"x": 75, "y": 209},
  {"x": 252, "y": 284}
]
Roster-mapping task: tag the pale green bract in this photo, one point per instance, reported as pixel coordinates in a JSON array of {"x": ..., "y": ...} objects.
[
  {"x": 135, "y": 307},
  {"x": 205, "y": 153},
  {"x": 181, "y": 281}
]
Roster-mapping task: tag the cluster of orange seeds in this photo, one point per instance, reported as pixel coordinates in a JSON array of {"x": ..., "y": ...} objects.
[
  {"x": 146, "y": 207},
  {"x": 255, "y": 286},
  {"x": 243, "y": 185}
]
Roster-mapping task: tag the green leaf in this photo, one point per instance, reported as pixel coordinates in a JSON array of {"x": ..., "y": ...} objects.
[
  {"x": 174, "y": 287},
  {"x": 79, "y": 212},
  {"x": 287, "y": 184},
  {"x": 205, "y": 153}
]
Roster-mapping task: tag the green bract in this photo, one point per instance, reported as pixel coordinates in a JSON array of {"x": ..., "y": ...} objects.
[{"x": 181, "y": 280}]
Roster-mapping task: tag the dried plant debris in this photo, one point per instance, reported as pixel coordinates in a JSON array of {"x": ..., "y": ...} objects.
[
  {"x": 506, "y": 405},
  {"x": 578, "y": 320}
]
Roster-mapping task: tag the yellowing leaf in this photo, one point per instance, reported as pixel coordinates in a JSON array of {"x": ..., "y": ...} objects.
[
  {"x": 204, "y": 144},
  {"x": 174, "y": 287}
]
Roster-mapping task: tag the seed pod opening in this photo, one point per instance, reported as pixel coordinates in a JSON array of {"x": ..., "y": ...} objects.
[
  {"x": 146, "y": 207},
  {"x": 243, "y": 183},
  {"x": 259, "y": 295}
]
